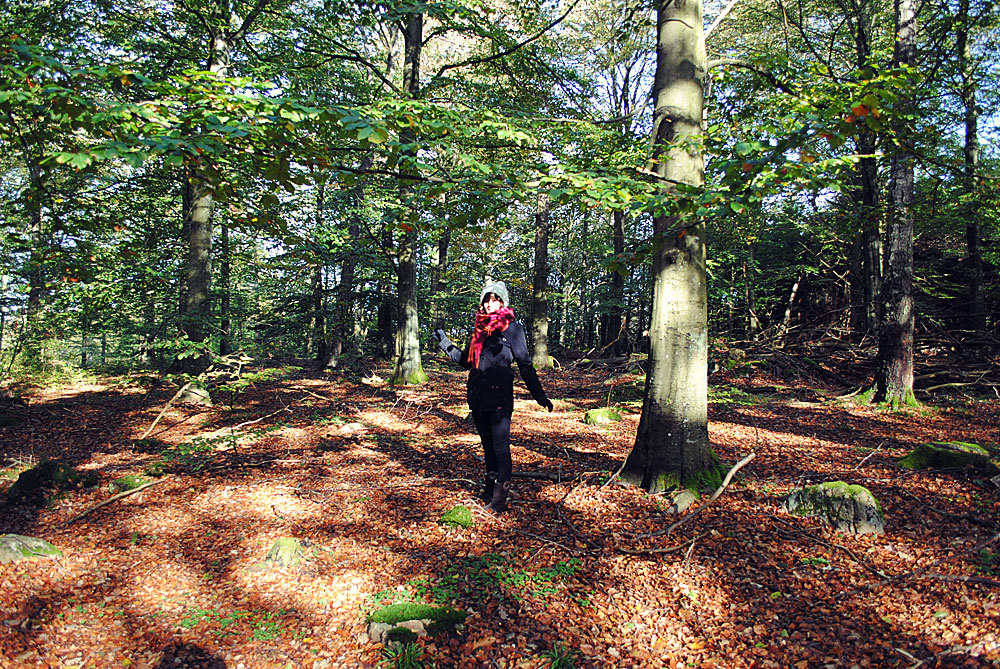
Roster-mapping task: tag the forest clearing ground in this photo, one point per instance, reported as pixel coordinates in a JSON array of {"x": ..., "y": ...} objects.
[{"x": 363, "y": 473}]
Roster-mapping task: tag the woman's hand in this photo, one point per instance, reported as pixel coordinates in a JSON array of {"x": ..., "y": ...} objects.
[
  {"x": 547, "y": 404},
  {"x": 438, "y": 335}
]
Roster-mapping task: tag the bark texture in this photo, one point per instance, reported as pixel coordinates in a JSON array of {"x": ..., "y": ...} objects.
[
  {"x": 671, "y": 446},
  {"x": 539, "y": 300},
  {"x": 408, "y": 368},
  {"x": 894, "y": 372}
]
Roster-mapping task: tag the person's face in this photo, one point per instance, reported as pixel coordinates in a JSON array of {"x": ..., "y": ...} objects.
[{"x": 492, "y": 303}]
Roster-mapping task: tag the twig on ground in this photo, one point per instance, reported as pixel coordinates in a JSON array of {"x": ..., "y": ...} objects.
[
  {"x": 257, "y": 420},
  {"x": 865, "y": 459},
  {"x": 715, "y": 495},
  {"x": 165, "y": 408},
  {"x": 117, "y": 497}
]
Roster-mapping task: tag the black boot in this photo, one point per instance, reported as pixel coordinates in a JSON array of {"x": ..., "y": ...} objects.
[
  {"x": 498, "y": 503},
  {"x": 488, "y": 483}
]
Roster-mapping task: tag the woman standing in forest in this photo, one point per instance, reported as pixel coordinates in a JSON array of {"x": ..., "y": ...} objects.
[{"x": 496, "y": 342}]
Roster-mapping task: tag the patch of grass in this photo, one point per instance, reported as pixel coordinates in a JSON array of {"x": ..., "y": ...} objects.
[
  {"x": 477, "y": 577},
  {"x": 252, "y": 625},
  {"x": 196, "y": 453},
  {"x": 405, "y": 656},
  {"x": 561, "y": 656},
  {"x": 731, "y": 396},
  {"x": 988, "y": 563}
]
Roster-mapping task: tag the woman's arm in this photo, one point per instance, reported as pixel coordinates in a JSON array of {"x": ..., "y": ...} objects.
[
  {"x": 519, "y": 347},
  {"x": 452, "y": 351}
]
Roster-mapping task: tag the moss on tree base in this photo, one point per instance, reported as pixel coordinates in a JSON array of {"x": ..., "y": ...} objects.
[
  {"x": 707, "y": 478},
  {"x": 414, "y": 378}
]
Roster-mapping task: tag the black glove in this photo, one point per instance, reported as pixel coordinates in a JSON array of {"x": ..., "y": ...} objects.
[{"x": 547, "y": 404}]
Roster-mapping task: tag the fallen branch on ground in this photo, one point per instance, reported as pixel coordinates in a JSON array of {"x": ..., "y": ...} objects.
[
  {"x": 164, "y": 410},
  {"x": 715, "y": 495},
  {"x": 114, "y": 499}
]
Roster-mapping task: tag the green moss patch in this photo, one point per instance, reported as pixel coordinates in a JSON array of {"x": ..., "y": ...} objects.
[
  {"x": 949, "y": 455},
  {"x": 602, "y": 416},
  {"x": 459, "y": 516},
  {"x": 442, "y": 618},
  {"x": 400, "y": 635},
  {"x": 129, "y": 482}
]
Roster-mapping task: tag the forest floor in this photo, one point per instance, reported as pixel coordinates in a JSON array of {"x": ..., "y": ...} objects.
[{"x": 362, "y": 473}]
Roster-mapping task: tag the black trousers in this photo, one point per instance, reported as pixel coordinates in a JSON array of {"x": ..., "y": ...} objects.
[{"x": 494, "y": 431}]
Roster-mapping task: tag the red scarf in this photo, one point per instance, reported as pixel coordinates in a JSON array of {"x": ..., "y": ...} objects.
[{"x": 487, "y": 324}]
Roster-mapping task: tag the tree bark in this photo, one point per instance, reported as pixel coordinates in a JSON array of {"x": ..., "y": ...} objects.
[
  {"x": 750, "y": 280},
  {"x": 539, "y": 288},
  {"x": 671, "y": 446},
  {"x": 894, "y": 369},
  {"x": 408, "y": 369},
  {"x": 866, "y": 251},
  {"x": 33, "y": 330},
  {"x": 225, "y": 296},
  {"x": 196, "y": 309},
  {"x": 977, "y": 308}
]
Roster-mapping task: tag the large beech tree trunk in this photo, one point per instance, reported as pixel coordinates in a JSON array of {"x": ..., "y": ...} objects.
[
  {"x": 539, "y": 287},
  {"x": 894, "y": 369},
  {"x": 671, "y": 446},
  {"x": 408, "y": 369},
  {"x": 196, "y": 308}
]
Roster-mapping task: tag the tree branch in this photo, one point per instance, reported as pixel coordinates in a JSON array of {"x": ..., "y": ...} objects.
[{"x": 516, "y": 47}]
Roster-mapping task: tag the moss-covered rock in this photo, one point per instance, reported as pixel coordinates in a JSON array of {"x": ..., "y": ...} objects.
[
  {"x": 15, "y": 547},
  {"x": 950, "y": 455},
  {"x": 436, "y": 619},
  {"x": 459, "y": 516},
  {"x": 48, "y": 475},
  {"x": 851, "y": 509},
  {"x": 286, "y": 552},
  {"x": 602, "y": 416},
  {"x": 129, "y": 482}
]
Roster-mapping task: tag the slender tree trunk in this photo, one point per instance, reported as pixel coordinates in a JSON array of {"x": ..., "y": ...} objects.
[
  {"x": 786, "y": 321},
  {"x": 439, "y": 284},
  {"x": 750, "y": 280},
  {"x": 894, "y": 368},
  {"x": 197, "y": 308},
  {"x": 539, "y": 288},
  {"x": 977, "y": 309},
  {"x": 33, "y": 332},
  {"x": 671, "y": 446},
  {"x": 225, "y": 297},
  {"x": 614, "y": 296},
  {"x": 585, "y": 330},
  {"x": 3, "y": 311},
  {"x": 866, "y": 251},
  {"x": 385, "y": 333},
  {"x": 408, "y": 369},
  {"x": 316, "y": 343}
]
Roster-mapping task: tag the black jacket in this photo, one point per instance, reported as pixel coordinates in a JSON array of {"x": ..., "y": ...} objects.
[{"x": 491, "y": 385}]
